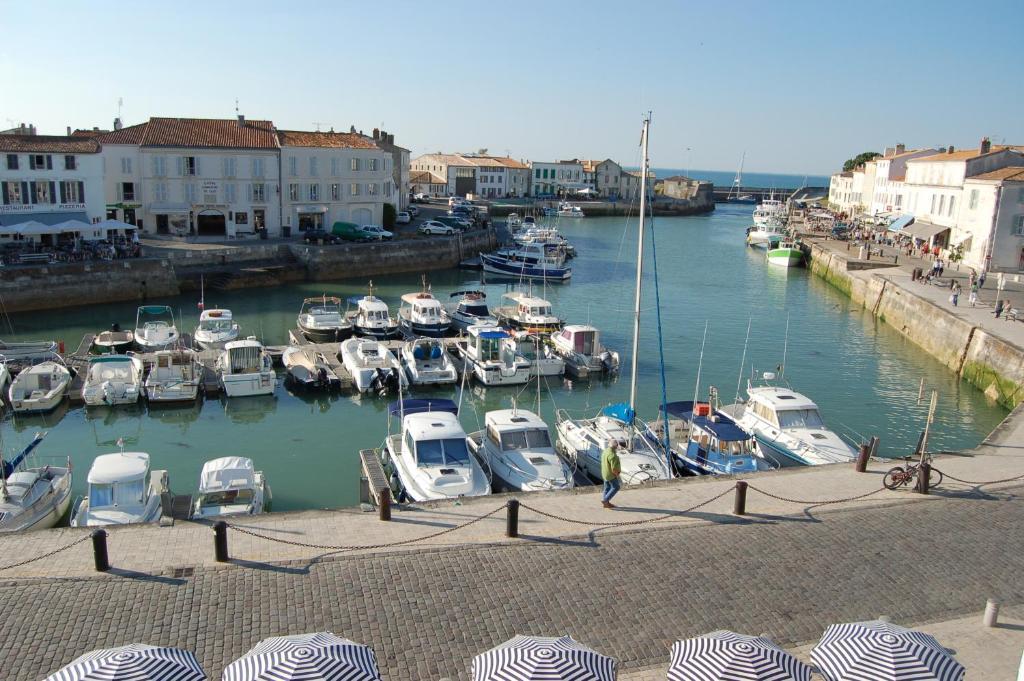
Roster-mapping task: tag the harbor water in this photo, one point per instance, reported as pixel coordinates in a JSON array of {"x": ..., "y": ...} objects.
[{"x": 864, "y": 376}]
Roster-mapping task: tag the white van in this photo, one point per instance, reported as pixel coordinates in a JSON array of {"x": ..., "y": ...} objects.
[{"x": 457, "y": 201}]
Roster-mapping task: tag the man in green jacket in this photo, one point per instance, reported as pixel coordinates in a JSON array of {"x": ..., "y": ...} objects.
[{"x": 611, "y": 469}]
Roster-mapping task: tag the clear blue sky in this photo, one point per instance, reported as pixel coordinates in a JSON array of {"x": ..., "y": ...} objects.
[{"x": 800, "y": 86}]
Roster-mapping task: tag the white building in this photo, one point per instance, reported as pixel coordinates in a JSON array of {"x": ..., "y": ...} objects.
[
  {"x": 990, "y": 227},
  {"x": 556, "y": 178},
  {"x": 428, "y": 183},
  {"x": 330, "y": 176},
  {"x": 840, "y": 192},
  {"x": 399, "y": 167},
  {"x": 887, "y": 192},
  {"x": 488, "y": 176}
]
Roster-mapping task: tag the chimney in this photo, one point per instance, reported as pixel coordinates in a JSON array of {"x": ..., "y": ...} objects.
[
  {"x": 986, "y": 145},
  {"x": 376, "y": 134},
  {"x": 951, "y": 149},
  {"x": 69, "y": 131},
  {"x": 241, "y": 121},
  {"x": 118, "y": 124},
  {"x": 352, "y": 130},
  {"x": 900, "y": 148}
]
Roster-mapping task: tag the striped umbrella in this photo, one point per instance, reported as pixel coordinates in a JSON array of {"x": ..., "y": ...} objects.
[
  {"x": 876, "y": 651},
  {"x": 537, "y": 658},
  {"x": 305, "y": 657},
  {"x": 135, "y": 662},
  {"x": 727, "y": 656}
]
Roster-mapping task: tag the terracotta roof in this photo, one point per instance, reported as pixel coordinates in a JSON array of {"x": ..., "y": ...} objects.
[
  {"x": 425, "y": 177},
  {"x": 216, "y": 133},
  {"x": 133, "y": 134},
  {"x": 1014, "y": 173},
  {"x": 89, "y": 133},
  {"x": 333, "y": 140},
  {"x": 443, "y": 159},
  {"x": 55, "y": 144},
  {"x": 962, "y": 155}
]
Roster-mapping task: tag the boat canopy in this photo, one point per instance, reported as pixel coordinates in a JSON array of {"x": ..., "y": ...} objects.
[
  {"x": 621, "y": 411},
  {"x": 682, "y": 409},
  {"x": 419, "y": 406},
  {"x": 492, "y": 334},
  {"x": 469, "y": 294},
  {"x": 228, "y": 472},
  {"x": 724, "y": 428},
  {"x": 109, "y": 469},
  {"x": 155, "y": 309},
  {"x": 8, "y": 467}
]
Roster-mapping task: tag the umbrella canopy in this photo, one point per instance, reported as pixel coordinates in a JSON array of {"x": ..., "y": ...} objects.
[
  {"x": 727, "y": 656},
  {"x": 305, "y": 657},
  {"x": 533, "y": 658},
  {"x": 879, "y": 650},
  {"x": 135, "y": 662}
]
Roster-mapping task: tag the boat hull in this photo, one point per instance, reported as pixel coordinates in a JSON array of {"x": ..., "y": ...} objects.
[
  {"x": 248, "y": 385},
  {"x": 521, "y": 270},
  {"x": 206, "y": 342},
  {"x": 326, "y": 335},
  {"x": 43, "y": 519},
  {"x": 411, "y": 328},
  {"x": 38, "y": 406},
  {"x": 785, "y": 257},
  {"x": 377, "y": 332}
]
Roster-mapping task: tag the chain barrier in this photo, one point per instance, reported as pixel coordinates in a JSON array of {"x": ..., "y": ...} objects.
[
  {"x": 625, "y": 523},
  {"x": 327, "y": 547},
  {"x": 976, "y": 482},
  {"x": 815, "y": 502},
  {"x": 46, "y": 555}
]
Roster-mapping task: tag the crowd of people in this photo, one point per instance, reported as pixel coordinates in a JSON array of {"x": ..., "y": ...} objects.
[{"x": 69, "y": 250}]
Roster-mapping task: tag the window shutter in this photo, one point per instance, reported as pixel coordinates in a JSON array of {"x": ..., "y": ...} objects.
[
  {"x": 181, "y": 166},
  {"x": 49, "y": 163},
  {"x": 63, "y": 192},
  {"x": 53, "y": 191},
  {"x": 32, "y": 193},
  {"x": 81, "y": 192},
  {"x": 25, "y": 195},
  {"x": 248, "y": 193},
  {"x": 6, "y": 193},
  {"x": 197, "y": 167},
  {"x": 32, "y": 162},
  {"x": 118, "y": 188}
]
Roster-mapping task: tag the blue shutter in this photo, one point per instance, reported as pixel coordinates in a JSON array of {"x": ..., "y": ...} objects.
[
  {"x": 198, "y": 173},
  {"x": 6, "y": 193},
  {"x": 53, "y": 192},
  {"x": 49, "y": 163},
  {"x": 181, "y": 166},
  {"x": 81, "y": 192},
  {"x": 32, "y": 193},
  {"x": 63, "y": 193}
]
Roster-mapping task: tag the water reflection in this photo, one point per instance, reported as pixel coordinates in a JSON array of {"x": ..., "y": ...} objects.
[{"x": 247, "y": 410}]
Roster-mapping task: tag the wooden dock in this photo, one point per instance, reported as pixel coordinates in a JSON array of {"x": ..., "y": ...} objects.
[{"x": 373, "y": 472}]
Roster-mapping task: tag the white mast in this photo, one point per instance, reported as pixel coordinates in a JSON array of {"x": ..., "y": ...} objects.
[
  {"x": 738, "y": 181},
  {"x": 639, "y": 263}
]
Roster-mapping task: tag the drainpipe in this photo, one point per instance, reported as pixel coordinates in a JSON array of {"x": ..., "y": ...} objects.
[{"x": 992, "y": 230}]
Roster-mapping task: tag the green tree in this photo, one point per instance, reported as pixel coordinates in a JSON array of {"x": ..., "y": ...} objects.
[
  {"x": 389, "y": 215},
  {"x": 859, "y": 159}
]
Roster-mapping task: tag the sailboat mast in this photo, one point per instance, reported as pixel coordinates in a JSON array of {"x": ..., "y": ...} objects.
[{"x": 639, "y": 264}]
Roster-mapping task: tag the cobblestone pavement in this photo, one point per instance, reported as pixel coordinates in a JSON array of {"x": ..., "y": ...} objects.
[{"x": 427, "y": 612}]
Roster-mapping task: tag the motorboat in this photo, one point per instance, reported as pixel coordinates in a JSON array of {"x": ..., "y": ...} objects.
[
  {"x": 490, "y": 354},
  {"x": 569, "y": 210},
  {"x": 373, "y": 367},
  {"x": 703, "y": 441},
  {"x": 39, "y": 388},
  {"x": 230, "y": 486},
  {"x": 421, "y": 314},
  {"x": 536, "y": 351},
  {"x": 769, "y": 210},
  {"x": 529, "y": 261},
  {"x": 217, "y": 327},
  {"x": 785, "y": 253},
  {"x": 155, "y": 328},
  {"x": 5, "y": 376},
  {"x": 371, "y": 318},
  {"x": 527, "y": 313},
  {"x": 112, "y": 379},
  {"x": 513, "y": 221},
  {"x": 113, "y": 341},
  {"x": 761, "y": 235},
  {"x": 245, "y": 368},
  {"x": 584, "y": 354},
  {"x": 426, "y": 362},
  {"x": 174, "y": 377},
  {"x": 429, "y": 458},
  {"x": 33, "y": 497},
  {"x": 321, "y": 320},
  {"x": 470, "y": 310},
  {"x": 122, "y": 490},
  {"x": 788, "y": 427},
  {"x": 550, "y": 237},
  {"x": 27, "y": 351},
  {"x": 310, "y": 369},
  {"x": 516, "y": 446}
]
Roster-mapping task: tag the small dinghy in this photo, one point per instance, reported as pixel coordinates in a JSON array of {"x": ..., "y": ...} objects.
[
  {"x": 309, "y": 369},
  {"x": 113, "y": 341},
  {"x": 39, "y": 388}
]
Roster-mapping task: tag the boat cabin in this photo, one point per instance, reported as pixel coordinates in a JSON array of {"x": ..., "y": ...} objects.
[
  {"x": 117, "y": 486},
  {"x": 372, "y": 309},
  {"x": 217, "y": 321},
  {"x": 581, "y": 338},
  {"x": 784, "y": 409},
  {"x": 513, "y": 430},
  {"x": 490, "y": 344},
  {"x": 424, "y": 307},
  {"x": 226, "y": 485},
  {"x": 324, "y": 311},
  {"x": 246, "y": 357}
]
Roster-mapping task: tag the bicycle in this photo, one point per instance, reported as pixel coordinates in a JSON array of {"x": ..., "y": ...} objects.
[{"x": 900, "y": 476}]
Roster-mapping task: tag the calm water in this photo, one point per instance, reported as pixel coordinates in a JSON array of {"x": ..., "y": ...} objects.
[
  {"x": 724, "y": 178},
  {"x": 862, "y": 373}
]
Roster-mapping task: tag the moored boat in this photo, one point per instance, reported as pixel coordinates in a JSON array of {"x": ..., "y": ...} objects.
[
  {"x": 421, "y": 314},
  {"x": 113, "y": 341},
  {"x": 490, "y": 354},
  {"x": 309, "y": 369},
  {"x": 371, "y": 318},
  {"x": 245, "y": 368},
  {"x": 584, "y": 354},
  {"x": 175, "y": 377},
  {"x": 39, "y": 388},
  {"x": 230, "y": 486},
  {"x": 373, "y": 367},
  {"x": 27, "y": 351},
  {"x": 112, "y": 379},
  {"x": 122, "y": 490},
  {"x": 785, "y": 254},
  {"x": 516, "y": 445},
  {"x": 526, "y": 312},
  {"x": 426, "y": 362},
  {"x": 471, "y": 309},
  {"x": 33, "y": 497},
  {"x": 321, "y": 320},
  {"x": 155, "y": 328},
  {"x": 216, "y": 328},
  {"x": 518, "y": 266}
]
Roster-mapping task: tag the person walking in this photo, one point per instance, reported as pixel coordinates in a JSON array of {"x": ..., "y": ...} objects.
[
  {"x": 955, "y": 295},
  {"x": 611, "y": 469},
  {"x": 973, "y": 298},
  {"x": 999, "y": 307},
  {"x": 981, "y": 279}
]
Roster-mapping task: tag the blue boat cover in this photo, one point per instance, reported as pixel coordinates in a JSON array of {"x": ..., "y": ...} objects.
[
  {"x": 354, "y": 300},
  {"x": 621, "y": 411},
  {"x": 493, "y": 334},
  {"x": 155, "y": 309},
  {"x": 682, "y": 409},
  {"x": 899, "y": 223},
  {"x": 411, "y": 406},
  {"x": 725, "y": 429}
]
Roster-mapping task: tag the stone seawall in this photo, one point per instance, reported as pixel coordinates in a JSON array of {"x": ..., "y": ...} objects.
[
  {"x": 619, "y": 208},
  {"x": 987, "y": 362},
  {"x": 41, "y": 287}
]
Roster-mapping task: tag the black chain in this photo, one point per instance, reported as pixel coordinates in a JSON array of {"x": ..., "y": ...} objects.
[
  {"x": 326, "y": 547},
  {"x": 47, "y": 555},
  {"x": 815, "y": 502},
  {"x": 625, "y": 523},
  {"x": 980, "y": 483}
]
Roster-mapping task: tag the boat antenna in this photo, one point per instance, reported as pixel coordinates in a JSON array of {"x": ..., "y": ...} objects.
[
  {"x": 785, "y": 350},
  {"x": 743, "y": 361},
  {"x": 202, "y": 293},
  {"x": 462, "y": 383},
  {"x": 639, "y": 275},
  {"x": 700, "y": 366}
]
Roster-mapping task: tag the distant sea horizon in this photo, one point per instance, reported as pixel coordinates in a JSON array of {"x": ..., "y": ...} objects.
[{"x": 724, "y": 178}]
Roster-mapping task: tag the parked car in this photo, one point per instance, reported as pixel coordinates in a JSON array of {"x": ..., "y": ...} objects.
[
  {"x": 377, "y": 233},
  {"x": 403, "y": 218},
  {"x": 413, "y": 211},
  {"x": 435, "y": 227},
  {"x": 313, "y": 235},
  {"x": 419, "y": 197}
]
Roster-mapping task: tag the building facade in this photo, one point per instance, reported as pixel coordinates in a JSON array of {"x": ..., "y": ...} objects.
[
  {"x": 475, "y": 174},
  {"x": 990, "y": 228},
  {"x": 557, "y": 178},
  {"x": 427, "y": 183},
  {"x": 400, "y": 167}
]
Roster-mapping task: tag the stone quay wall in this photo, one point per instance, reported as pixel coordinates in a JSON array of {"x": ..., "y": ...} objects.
[
  {"x": 987, "y": 362},
  {"x": 662, "y": 206}
]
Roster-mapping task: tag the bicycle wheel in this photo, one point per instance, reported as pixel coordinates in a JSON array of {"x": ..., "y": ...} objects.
[
  {"x": 934, "y": 477},
  {"x": 895, "y": 478}
]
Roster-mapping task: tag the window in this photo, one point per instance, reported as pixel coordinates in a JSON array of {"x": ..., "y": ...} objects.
[
  {"x": 69, "y": 162},
  {"x": 189, "y": 190},
  {"x": 189, "y": 165},
  {"x": 41, "y": 192},
  {"x": 933, "y": 204},
  {"x": 127, "y": 191},
  {"x": 1020, "y": 195},
  {"x": 230, "y": 193},
  {"x": 314, "y": 192},
  {"x": 241, "y": 218},
  {"x": 40, "y": 162},
  {"x": 334, "y": 167},
  {"x": 293, "y": 166},
  {"x": 387, "y": 189},
  {"x": 159, "y": 166},
  {"x": 257, "y": 167},
  {"x": 12, "y": 161},
  {"x": 525, "y": 439},
  {"x": 442, "y": 452},
  {"x": 312, "y": 166},
  {"x": 800, "y": 418},
  {"x": 371, "y": 189},
  {"x": 229, "y": 167},
  {"x": 942, "y": 204},
  {"x": 72, "y": 192},
  {"x": 972, "y": 203},
  {"x": 293, "y": 192},
  {"x": 12, "y": 194},
  {"x": 160, "y": 191},
  {"x": 355, "y": 164},
  {"x": 126, "y": 165},
  {"x": 536, "y": 173},
  {"x": 259, "y": 192},
  {"x": 335, "y": 192},
  {"x": 353, "y": 189},
  {"x": 952, "y": 204},
  {"x": 373, "y": 164},
  {"x": 1018, "y": 225}
]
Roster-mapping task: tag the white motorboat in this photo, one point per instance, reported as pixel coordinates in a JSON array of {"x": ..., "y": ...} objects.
[
  {"x": 374, "y": 368},
  {"x": 788, "y": 427},
  {"x": 526, "y": 312},
  {"x": 528, "y": 261},
  {"x": 537, "y": 352},
  {"x": 580, "y": 346},
  {"x": 112, "y": 380},
  {"x": 429, "y": 458},
  {"x": 5, "y": 375},
  {"x": 216, "y": 328},
  {"x": 470, "y": 310},
  {"x": 372, "y": 318},
  {"x": 155, "y": 328},
  {"x": 568, "y": 210},
  {"x": 245, "y": 368},
  {"x": 230, "y": 486},
  {"x": 582, "y": 440},
  {"x": 39, "y": 388},
  {"x": 490, "y": 353},
  {"x": 310, "y": 369},
  {"x": 761, "y": 235},
  {"x": 321, "y": 320},
  {"x": 516, "y": 445},
  {"x": 174, "y": 377},
  {"x": 122, "y": 490},
  {"x": 426, "y": 362},
  {"x": 27, "y": 351},
  {"x": 34, "y": 497},
  {"x": 113, "y": 341},
  {"x": 421, "y": 314},
  {"x": 513, "y": 221},
  {"x": 769, "y": 210}
]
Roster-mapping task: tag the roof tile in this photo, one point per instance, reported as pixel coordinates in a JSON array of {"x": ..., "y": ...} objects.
[
  {"x": 1014, "y": 173},
  {"x": 334, "y": 140},
  {"x": 215, "y": 133},
  {"x": 55, "y": 144}
]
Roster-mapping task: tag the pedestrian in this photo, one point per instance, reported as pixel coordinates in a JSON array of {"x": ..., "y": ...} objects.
[
  {"x": 955, "y": 295},
  {"x": 981, "y": 279},
  {"x": 973, "y": 299},
  {"x": 611, "y": 469},
  {"x": 942, "y": 266},
  {"x": 999, "y": 307}
]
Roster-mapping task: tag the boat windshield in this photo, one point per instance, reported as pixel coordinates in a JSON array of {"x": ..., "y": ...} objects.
[
  {"x": 226, "y": 497},
  {"x": 216, "y": 324},
  {"x": 376, "y": 315},
  {"x": 800, "y": 418},
  {"x": 737, "y": 447},
  {"x": 475, "y": 310},
  {"x": 109, "y": 371},
  {"x": 526, "y": 439},
  {"x": 542, "y": 311},
  {"x": 121, "y": 494},
  {"x": 442, "y": 452}
]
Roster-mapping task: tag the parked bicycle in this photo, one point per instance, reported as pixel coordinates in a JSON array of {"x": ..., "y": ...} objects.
[{"x": 899, "y": 476}]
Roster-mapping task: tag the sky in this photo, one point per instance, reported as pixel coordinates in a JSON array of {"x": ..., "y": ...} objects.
[{"x": 798, "y": 86}]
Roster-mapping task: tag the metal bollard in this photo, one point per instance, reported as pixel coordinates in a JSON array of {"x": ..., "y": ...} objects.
[
  {"x": 739, "y": 504},
  {"x": 384, "y": 505},
  {"x": 991, "y": 613},
  {"x": 923, "y": 474},
  {"x": 220, "y": 541},
  {"x": 99, "y": 550},
  {"x": 512, "y": 518},
  {"x": 862, "y": 458}
]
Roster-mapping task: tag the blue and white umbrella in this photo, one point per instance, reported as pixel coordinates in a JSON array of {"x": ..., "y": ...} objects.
[
  {"x": 135, "y": 662},
  {"x": 305, "y": 657},
  {"x": 727, "y": 656},
  {"x": 876, "y": 651},
  {"x": 538, "y": 658}
]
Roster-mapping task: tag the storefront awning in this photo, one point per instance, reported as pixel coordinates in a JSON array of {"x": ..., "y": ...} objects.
[
  {"x": 924, "y": 230},
  {"x": 310, "y": 209},
  {"x": 43, "y": 218},
  {"x": 901, "y": 223},
  {"x": 163, "y": 207}
]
